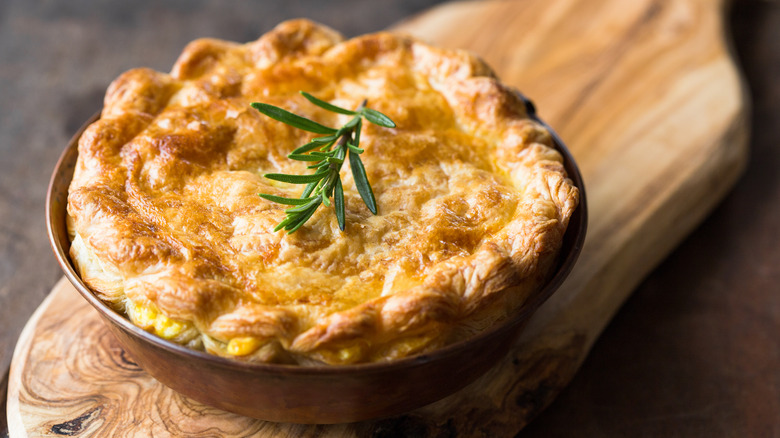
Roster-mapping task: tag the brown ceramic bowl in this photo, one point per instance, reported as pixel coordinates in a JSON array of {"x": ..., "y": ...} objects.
[{"x": 320, "y": 394}]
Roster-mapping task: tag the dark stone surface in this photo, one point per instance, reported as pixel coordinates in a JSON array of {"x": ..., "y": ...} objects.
[{"x": 694, "y": 352}]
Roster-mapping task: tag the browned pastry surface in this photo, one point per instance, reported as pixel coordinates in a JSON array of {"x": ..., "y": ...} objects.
[{"x": 167, "y": 225}]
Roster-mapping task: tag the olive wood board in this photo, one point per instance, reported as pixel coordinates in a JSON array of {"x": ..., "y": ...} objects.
[{"x": 646, "y": 95}]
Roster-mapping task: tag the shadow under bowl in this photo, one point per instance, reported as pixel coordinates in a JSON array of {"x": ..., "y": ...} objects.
[{"x": 310, "y": 394}]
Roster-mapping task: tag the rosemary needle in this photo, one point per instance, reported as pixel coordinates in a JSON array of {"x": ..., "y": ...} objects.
[{"x": 326, "y": 155}]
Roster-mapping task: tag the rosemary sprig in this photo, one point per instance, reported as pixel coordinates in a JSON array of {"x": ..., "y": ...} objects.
[{"x": 327, "y": 155}]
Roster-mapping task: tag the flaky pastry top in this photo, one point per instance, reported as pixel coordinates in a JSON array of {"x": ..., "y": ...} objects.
[{"x": 167, "y": 225}]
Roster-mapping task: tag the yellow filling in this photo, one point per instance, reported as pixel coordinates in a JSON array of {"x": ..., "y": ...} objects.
[
  {"x": 243, "y": 346},
  {"x": 148, "y": 318}
]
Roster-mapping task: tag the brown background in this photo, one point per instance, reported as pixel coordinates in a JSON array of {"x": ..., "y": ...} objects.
[{"x": 694, "y": 352}]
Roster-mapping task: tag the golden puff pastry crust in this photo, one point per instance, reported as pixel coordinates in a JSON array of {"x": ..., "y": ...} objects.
[{"x": 167, "y": 225}]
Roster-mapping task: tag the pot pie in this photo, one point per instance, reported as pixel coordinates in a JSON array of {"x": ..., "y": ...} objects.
[{"x": 167, "y": 226}]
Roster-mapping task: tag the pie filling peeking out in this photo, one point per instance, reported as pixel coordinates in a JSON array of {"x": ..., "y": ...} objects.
[{"x": 167, "y": 226}]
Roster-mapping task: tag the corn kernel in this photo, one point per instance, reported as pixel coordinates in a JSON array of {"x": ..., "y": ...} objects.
[
  {"x": 167, "y": 328},
  {"x": 143, "y": 316},
  {"x": 350, "y": 354},
  {"x": 243, "y": 345}
]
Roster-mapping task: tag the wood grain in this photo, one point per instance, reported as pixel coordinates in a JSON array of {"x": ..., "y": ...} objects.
[
  {"x": 92, "y": 386},
  {"x": 645, "y": 94}
]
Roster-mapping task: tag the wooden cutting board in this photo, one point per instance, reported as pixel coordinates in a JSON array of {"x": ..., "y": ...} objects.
[{"x": 648, "y": 99}]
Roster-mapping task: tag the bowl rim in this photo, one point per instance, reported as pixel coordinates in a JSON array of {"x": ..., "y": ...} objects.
[{"x": 565, "y": 263}]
